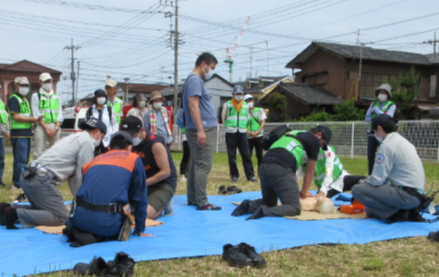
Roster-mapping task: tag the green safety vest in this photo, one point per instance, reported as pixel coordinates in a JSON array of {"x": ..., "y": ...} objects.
[
  {"x": 253, "y": 121},
  {"x": 3, "y": 113},
  {"x": 49, "y": 108},
  {"x": 292, "y": 145},
  {"x": 183, "y": 130},
  {"x": 24, "y": 111},
  {"x": 117, "y": 106},
  {"x": 384, "y": 109},
  {"x": 320, "y": 171},
  {"x": 236, "y": 121}
]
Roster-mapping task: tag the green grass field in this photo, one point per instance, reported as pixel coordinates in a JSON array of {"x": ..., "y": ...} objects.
[{"x": 404, "y": 257}]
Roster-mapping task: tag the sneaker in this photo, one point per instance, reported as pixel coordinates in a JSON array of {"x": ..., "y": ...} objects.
[
  {"x": 222, "y": 190},
  {"x": 209, "y": 207},
  {"x": 15, "y": 187},
  {"x": 234, "y": 189},
  {"x": 252, "y": 179},
  {"x": 98, "y": 267},
  {"x": 2, "y": 184},
  {"x": 235, "y": 179},
  {"x": 170, "y": 208},
  {"x": 235, "y": 257},
  {"x": 20, "y": 198},
  {"x": 250, "y": 252},
  {"x": 123, "y": 263},
  {"x": 183, "y": 179}
]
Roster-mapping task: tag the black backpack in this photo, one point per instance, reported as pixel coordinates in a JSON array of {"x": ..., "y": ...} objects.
[{"x": 274, "y": 136}]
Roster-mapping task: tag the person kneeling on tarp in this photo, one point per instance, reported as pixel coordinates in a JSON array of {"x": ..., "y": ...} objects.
[
  {"x": 158, "y": 164},
  {"x": 63, "y": 161},
  {"x": 330, "y": 176},
  {"x": 396, "y": 187},
  {"x": 278, "y": 173},
  {"x": 111, "y": 180}
]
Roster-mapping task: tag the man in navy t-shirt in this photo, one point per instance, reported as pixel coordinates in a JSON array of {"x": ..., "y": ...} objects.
[{"x": 201, "y": 129}]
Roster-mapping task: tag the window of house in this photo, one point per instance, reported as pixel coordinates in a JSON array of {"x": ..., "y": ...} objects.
[
  {"x": 433, "y": 82},
  {"x": 369, "y": 82}
]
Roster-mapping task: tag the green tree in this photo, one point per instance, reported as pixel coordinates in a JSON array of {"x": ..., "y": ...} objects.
[
  {"x": 278, "y": 107},
  {"x": 404, "y": 91},
  {"x": 317, "y": 117},
  {"x": 347, "y": 111}
]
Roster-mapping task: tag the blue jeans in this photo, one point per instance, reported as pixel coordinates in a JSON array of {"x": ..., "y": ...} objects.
[
  {"x": 2, "y": 157},
  {"x": 21, "y": 153}
]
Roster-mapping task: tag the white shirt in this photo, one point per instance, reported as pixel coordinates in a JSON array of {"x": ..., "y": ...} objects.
[
  {"x": 35, "y": 104},
  {"x": 112, "y": 126}
]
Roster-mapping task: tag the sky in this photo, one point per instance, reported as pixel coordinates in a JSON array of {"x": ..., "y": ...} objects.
[{"x": 130, "y": 39}]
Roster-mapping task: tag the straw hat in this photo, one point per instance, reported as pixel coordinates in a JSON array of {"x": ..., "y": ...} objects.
[{"x": 155, "y": 95}]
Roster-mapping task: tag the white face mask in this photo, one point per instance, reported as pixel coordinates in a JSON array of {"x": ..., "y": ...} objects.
[
  {"x": 157, "y": 105},
  {"x": 238, "y": 98},
  {"x": 382, "y": 97},
  {"x": 136, "y": 141},
  {"x": 380, "y": 140},
  {"x": 96, "y": 142},
  {"x": 23, "y": 90},
  {"x": 47, "y": 87},
  {"x": 250, "y": 105},
  {"x": 101, "y": 100},
  {"x": 208, "y": 74},
  {"x": 142, "y": 104}
]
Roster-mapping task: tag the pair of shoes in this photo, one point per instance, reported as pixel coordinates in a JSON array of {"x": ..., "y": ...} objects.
[
  {"x": 234, "y": 179},
  {"x": 209, "y": 207},
  {"x": 222, "y": 190},
  {"x": 231, "y": 189},
  {"x": 15, "y": 187},
  {"x": 242, "y": 255},
  {"x": 252, "y": 179},
  {"x": 183, "y": 178},
  {"x": 121, "y": 266},
  {"x": 2, "y": 184},
  {"x": 20, "y": 198},
  {"x": 170, "y": 208}
]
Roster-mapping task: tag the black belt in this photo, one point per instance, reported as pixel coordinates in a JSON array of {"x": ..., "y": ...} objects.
[
  {"x": 112, "y": 208},
  {"x": 414, "y": 192}
]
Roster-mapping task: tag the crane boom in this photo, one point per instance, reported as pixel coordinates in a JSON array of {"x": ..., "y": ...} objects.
[{"x": 229, "y": 57}]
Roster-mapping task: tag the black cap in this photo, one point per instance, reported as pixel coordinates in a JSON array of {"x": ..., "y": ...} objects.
[
  {"x": 122, "y": 136},
  {"x": 380, "y": 120},
  {"x": 326, "y": 133},
  {"x": 131, "y": 123},
  {"x": 100, "y": 93},
  {"x": 94, "y": 123}
]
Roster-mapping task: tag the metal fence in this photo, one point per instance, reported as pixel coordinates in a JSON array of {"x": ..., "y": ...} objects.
[{"x": 350, "y": 138}]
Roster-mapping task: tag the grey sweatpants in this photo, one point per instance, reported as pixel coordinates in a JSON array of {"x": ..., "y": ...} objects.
[
  {"x": 277, "y": 181},
  {"x": 200, "y": 165},
  {"x": 383, "y": 201},
  {"x": 47, "y": 206},
  {"x": 41, "y": 138}
]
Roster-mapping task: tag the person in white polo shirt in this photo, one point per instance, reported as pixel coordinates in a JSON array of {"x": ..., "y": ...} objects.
[{"x": 47, "y": 104}]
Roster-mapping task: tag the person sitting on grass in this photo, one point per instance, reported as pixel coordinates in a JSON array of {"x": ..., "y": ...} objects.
[{"x": 159, "y": 166}]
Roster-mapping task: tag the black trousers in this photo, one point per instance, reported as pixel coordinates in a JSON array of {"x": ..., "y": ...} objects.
[
  {"x": 239, "y": 140},
  {"x": 184, "y": 165},
  {"x": 101, "y": 149},
  {"x": 256, "y": 143},
  {"x": 372, "y": 146},
  {"x": 348, "y": 182}
]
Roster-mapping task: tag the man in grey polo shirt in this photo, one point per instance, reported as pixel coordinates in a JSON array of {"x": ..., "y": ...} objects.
[
  {"x": 396, "y": 187},
  {"x": 201, "y": 129}
]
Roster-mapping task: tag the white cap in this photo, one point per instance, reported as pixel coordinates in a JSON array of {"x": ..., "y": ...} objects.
[
  {"x": 45, "y": 76},
  {"x": 110, "y": 83},
  {"x": 247, "y": 97}
]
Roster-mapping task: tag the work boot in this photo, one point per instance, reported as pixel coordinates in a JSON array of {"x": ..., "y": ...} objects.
[
  {"x": 97, "y": 267},
  {"x": 235, "y": 257},
  {"x": 250, "y": 252},
  {"x": 124, "y": 264}
]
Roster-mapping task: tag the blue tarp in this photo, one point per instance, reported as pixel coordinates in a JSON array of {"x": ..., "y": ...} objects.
[{"x": 191, "y": 233}]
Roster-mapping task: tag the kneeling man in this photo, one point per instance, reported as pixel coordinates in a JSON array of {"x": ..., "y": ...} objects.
[
  {"x": 111, "y": 180},
  {"x": 159, "y": 166},
  {"x": 396, "y": 186}
]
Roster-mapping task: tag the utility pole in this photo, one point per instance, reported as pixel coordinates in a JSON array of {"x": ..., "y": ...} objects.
[
  {"x": 72, "y": 48},
  {"x": 77, "y": 85},
  {"x": 432, "y": 42}
]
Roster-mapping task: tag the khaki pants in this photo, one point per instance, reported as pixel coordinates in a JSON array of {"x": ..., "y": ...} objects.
[{"x": 41, "y": 139}]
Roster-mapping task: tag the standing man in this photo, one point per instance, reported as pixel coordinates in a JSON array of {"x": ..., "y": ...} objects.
[
  {"x": 61, "y": 162},
  {"x": 255, "y": 128},
  {"x": 47, "y": 104},
  {"x": 156, "y": 119},
  {"x": 201, "y": 130},
  {"x": 278, "y": 174},
  {"x": 382, "y": 106},
  {"x": 113, "y": 101},
  {"x": 396, "y": 187},
  {"x": 21, "y": 127},
  {"x": 235, "y": 116},
  {"x": 4, "y": 135}
]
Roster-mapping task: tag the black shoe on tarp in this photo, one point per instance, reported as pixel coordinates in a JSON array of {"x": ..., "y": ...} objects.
[
  {"x": 250, "y": 252},
  {"x": 124, "y": 264},
  {"x": 235, "y": 257},
  {"x": 434, "y": 236},
  {"x": 97, "y": 267}
]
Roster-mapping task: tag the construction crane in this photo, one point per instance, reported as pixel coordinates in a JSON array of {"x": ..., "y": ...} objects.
[{"x": 229, "y": 58}]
